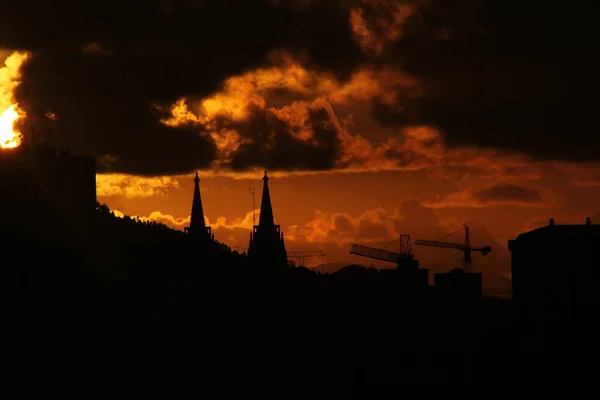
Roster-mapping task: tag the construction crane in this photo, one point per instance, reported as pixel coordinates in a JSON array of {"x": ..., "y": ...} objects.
[
  {"x": 300, "y": 255},
  {"x": 465, "y": 248},
  {"x": 403, "y": 257}
]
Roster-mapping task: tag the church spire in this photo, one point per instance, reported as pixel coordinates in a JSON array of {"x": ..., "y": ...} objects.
[
  {"x": 267, "y": 247},
  {"x": 266, "y": 209},
  {"x": 197, "y": 223}
]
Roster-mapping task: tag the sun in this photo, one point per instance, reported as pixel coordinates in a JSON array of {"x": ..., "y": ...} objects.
[
  {"x": 10, "y": 75},
  {"x": 9, "y": 137}
]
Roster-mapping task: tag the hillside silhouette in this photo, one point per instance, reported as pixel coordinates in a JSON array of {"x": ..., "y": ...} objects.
[
  {"x": 200, "y": 312},
  {"x": 93, "y": 296}
]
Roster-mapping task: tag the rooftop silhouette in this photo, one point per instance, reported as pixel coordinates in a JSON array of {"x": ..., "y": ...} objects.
[{"x": 554, "y": 272}]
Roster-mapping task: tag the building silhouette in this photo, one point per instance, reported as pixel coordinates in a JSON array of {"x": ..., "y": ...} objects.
[
  {"x": 555, "y": 268},
  {"x": 267, "y": 246},
  {"x": 40, "y": 183},
  {"x": 459, "y": 284},
  {"x": 198, "y": 228}
]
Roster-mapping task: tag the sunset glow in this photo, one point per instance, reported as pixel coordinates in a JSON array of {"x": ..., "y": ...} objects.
[
  {"x": 10, "y": 76},
  {"x": 382, "y": 127},
  {"x": 9, "y": 138}
]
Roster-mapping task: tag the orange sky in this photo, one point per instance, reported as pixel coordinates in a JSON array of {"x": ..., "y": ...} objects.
[
  {"x": 415, "y": 118},
  {"x": 329, "y": 211},
  {"x": 386, "y": 182}
]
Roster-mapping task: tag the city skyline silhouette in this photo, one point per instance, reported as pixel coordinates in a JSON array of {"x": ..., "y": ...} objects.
[{"x": 377, "y": 191}]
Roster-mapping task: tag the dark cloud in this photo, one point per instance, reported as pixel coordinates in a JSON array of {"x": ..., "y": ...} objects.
[
  {"x": 506, "y": 74},
  {"x": 508, "y": 192},
  {"x": 101, "y": 68},
  {"x": 105, "y": 113},
  {"x": 274, "y": 143},
  {"x": 390, "y": 114},
  {"x": 342, "y": 223},
  {"x": 369, "y": 230}
]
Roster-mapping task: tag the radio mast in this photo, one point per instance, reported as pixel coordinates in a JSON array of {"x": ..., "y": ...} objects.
[{"x": 253, "y": 194}]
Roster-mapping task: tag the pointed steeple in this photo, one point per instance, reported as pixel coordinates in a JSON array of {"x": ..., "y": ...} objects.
[
  {"x": 197, "y": 222},
  {"x": 267, "y": 247},
  {"x": 266, "y": 209}
]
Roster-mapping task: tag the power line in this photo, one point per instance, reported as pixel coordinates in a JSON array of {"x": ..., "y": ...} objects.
[{"x": 450, "y": 234}]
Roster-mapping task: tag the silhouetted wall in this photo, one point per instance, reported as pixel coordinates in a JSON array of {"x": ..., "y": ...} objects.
[
  {"x": 458, "y": 283},
  {"x": 555, "y": 268},
  {"x": 405, "y": 278}
]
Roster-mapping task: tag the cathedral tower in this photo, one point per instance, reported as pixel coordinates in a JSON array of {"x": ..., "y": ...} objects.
[
  {"x": 198, "y": 226},
  {"x": 267, "y": 246}
]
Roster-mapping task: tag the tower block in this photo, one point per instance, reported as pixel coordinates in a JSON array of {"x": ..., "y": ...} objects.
[
  {"x": 267, "y": 246},
  {"x": 198, "y": 228}
]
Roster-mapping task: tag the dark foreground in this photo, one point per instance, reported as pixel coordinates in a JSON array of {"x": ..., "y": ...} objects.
[
  {"x": 158, "y": 309},
  {"x": 298, "y": 338}
]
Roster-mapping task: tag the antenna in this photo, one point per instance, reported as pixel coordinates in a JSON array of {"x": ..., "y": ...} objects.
[{"x": 253, "y": 194}]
